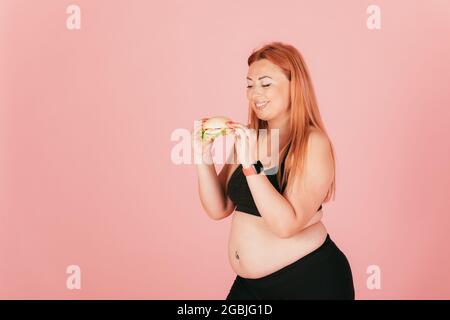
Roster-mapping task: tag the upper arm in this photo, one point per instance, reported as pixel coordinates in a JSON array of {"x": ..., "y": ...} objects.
[{"x": 308, "y": 190}]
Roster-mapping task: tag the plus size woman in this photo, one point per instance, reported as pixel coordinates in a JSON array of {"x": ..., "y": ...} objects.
[{"x": 278, "y": 246}]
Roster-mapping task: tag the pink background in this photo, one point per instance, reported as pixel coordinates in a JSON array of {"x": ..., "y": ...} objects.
[{"x": 86, "y": 118}]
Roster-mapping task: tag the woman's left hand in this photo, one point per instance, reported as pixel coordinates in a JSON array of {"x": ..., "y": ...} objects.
[{"x": 246, "y": 144}]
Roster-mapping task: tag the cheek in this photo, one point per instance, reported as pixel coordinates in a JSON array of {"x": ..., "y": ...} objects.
[
  {"x": 281, "y": 97},
  {"x": 286, "y": 98}
]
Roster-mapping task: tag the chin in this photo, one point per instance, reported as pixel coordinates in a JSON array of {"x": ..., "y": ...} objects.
[{"x": 265, "y": 117}]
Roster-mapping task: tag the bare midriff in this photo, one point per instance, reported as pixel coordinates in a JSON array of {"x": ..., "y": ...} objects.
[{"x": 255, "y": 251}]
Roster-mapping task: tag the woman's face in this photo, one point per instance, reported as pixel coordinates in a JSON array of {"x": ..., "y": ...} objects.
[{"x": 269, "y": 87}]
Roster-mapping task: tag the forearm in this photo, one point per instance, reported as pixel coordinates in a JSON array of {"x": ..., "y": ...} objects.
[
  {"x": 273, "y": 207},
  {"x": 210, "y": 191}
]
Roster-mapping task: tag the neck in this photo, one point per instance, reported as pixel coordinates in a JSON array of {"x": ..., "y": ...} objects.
[{"x": 282, "y": 124}]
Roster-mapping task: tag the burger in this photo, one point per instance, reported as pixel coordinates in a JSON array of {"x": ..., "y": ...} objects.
[{"x": 215, "y": 126}]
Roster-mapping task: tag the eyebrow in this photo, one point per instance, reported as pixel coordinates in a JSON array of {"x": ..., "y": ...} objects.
[{"x": 260, "y": 78}]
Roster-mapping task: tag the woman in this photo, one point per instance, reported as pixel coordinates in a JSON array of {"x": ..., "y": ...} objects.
[{"x": 278, "y": 245}]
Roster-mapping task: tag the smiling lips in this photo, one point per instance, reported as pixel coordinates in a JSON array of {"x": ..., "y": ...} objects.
[{"x": 261, "y": 105}]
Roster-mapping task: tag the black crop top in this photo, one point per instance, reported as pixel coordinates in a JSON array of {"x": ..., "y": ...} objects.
[{"x": 240, "y": 193}]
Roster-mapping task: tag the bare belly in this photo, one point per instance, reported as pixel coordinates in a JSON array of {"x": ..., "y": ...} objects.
[{"x": 254, "y": 251}]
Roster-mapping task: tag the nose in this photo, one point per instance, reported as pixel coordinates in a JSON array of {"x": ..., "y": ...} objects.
[
  {"x": 257, "y": 95},
  {"x": 256, "y": 98},
  {"x": 256, "y": 91}
]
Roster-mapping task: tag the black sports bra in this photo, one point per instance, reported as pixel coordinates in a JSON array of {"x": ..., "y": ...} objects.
[{"x": 240, "y": 193}]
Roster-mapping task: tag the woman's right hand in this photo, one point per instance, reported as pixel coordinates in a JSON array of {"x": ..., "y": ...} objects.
[{"x": 201, "y": 147}]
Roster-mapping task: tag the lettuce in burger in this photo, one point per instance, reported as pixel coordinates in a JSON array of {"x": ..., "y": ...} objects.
[{"x": 216, "y": 126}]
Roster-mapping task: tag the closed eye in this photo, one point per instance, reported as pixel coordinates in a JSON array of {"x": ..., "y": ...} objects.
[{"x": 264, "y": 85}]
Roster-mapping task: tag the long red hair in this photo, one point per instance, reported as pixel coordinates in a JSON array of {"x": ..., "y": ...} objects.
[{"x": 304, "y": 111}]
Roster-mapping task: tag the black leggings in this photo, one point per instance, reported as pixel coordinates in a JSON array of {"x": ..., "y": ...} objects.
[{"x": 322, "y": 274}]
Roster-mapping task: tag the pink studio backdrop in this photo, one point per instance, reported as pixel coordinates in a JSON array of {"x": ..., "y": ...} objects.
[{"x": 86, "y": 118}]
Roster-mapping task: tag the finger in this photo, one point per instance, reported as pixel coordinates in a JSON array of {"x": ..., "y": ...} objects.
[
  {"x": 195, "y": 134},
  {"x": 252, "y": 134},
  {"x": 230, "y": 124},
  {"x": 238, "y": 125},
  {"x": 198, "y": 129},
  {"x": 245, "y": 132},
  {"x": 239, "y": 132}
]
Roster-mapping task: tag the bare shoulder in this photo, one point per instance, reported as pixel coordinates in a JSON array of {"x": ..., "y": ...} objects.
[
  {"x": 318, "y": 140},
  {"x": 319, "y": 154}
]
